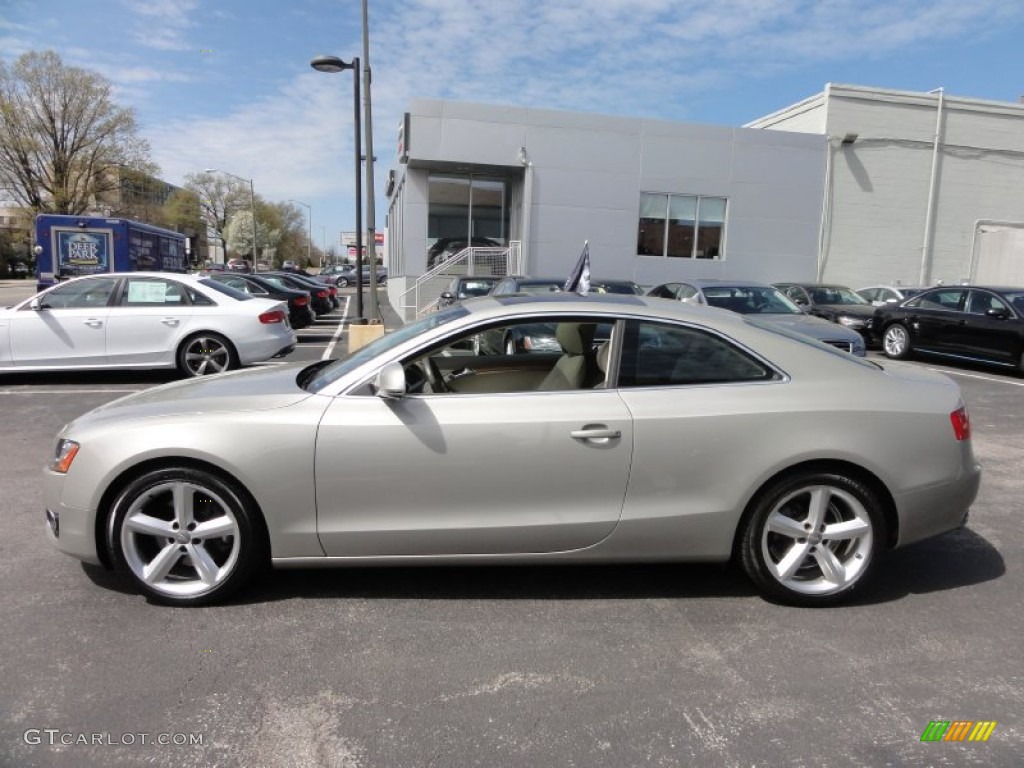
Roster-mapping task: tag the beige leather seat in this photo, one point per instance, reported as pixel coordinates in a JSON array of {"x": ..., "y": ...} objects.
[
  {"x": 604, "y": 353},
  {"x": 572, "y": 369}
]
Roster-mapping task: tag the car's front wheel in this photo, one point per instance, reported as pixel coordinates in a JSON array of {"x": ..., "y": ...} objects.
[
  {"x": 341, "y": 282},
  {"x": 896, "y": 342},
  {"x": 185, "y": 536},
  {"x": 206, "y": 353},
  {"x": 813, "y": 539}
]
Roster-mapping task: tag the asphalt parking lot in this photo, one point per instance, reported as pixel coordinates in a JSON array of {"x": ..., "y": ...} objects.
[{"x": 590, "y": 666}]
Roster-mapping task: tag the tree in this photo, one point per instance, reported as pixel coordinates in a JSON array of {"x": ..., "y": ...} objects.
[
  {"x": 183, "y": 212},
  {"x": 219, "y": 198},
  {"x": 64, "y": 143}
]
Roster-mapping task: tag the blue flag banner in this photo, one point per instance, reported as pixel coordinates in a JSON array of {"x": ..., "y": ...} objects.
[{"x": 579, "y": 278}]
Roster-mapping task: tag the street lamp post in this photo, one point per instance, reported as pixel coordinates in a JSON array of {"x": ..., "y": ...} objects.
[
  {"x": 252, "y": 200},
  {"x": 333, "y": 64},
  {"x": 309, "y": 221},
  {"x": 371, "y": 235}
]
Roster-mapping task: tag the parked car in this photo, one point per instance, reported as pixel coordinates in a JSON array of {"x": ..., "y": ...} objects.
[
  {"x": 722, "y": 439},
  {"x": 625, "y": 287},
  {"x": 466, "y": 287},
  {"x": 319, "y": 294},
  {"x": 833, "y": 302},
  {"x": 300, "y": 312},
  {"x": 345, "y": 275},
  {"x": 765, "y": 301},
  {"x": 888, "y": 294},
  {"x": 142, "y": 320},
  {"x": 239, "y": 265},
  {"x": 977, "y": 323},
  {"x": 445, "y": 248},
  {"x": 511, "y": 285},
  {"x": 290, "y": 266}
]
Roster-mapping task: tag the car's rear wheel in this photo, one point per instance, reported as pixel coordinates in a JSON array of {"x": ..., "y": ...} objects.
[
  {"x": 185, "y": 536},
  {"x": 342, "y": 282},
  {"x": 896, "y": 342},
  {"x": 813, "y": 539},
  {"x": 206, "y": 353}
]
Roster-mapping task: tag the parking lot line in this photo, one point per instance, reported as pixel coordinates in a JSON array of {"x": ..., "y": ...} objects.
[
  {"x": 983, "y": 377},
  {"x": 338, "y": 332}
]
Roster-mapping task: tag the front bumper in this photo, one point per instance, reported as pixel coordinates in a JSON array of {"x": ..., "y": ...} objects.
[{"x": 75, "y": 534}]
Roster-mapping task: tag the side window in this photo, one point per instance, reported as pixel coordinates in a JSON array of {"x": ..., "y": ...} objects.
[
  {"x": 81, "y": 294},
  {"x": 150, "y": 291},
  {"x": 873, "y": 294},
  {"x": 658, "y": 354},
  {"x": 235, "y": 283},
  {"x": 980, "y": 302},
  {"x": 686, "y": 292},
  {"x": 948, "y": 299},
  {"x": 198, "y": 299},
  {"x": 667, "y": 291}
]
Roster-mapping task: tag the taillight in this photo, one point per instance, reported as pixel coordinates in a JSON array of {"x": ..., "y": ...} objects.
[
  {"x": 321, "y": 294},
  {"x": 275, "y": 316},
  {"x": 961, "y": 423},
  {"x": 301, "y": 301}
]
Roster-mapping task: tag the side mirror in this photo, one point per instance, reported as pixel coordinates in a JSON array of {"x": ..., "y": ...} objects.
[
  {"x": 448, "y": 296},
  {"x": 390, "y": 382},
  {"x": 36, "y": 305},
  {"x": 998, "y": 314}
]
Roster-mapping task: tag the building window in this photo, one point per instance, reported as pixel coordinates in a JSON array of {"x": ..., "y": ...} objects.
[{"x": 681, "y": 226}]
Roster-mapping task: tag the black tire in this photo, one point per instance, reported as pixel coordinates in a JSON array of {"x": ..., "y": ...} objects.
[
  {"x": 204, "y": 353},
  {"x": 813, "y": 539},
  {"x": 896, "y": 342},
  {"x": 176, "y": 566},
  {"x": 342, "y": 282}
]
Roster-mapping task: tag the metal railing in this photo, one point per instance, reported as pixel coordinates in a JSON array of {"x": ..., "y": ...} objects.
[{"x": 469, "y": 262}]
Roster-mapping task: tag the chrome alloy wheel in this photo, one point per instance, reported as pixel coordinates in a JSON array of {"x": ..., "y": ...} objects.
[
  {"x": 180, "y": 539},
  {"x": 206, "y": 354},
  {"x": 896, "y": 341},
  {"x": 817, "y": 540}
]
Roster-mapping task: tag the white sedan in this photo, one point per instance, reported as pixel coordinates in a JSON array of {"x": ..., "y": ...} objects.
[{"x": 142, "y": 320}]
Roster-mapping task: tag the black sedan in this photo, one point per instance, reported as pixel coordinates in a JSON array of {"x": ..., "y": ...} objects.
[
  {"x": 833, "y": 302},
  {"x": 976, "y": 323},
  {"x": 300, "y": 313},
  {"x": 320, "y": 294}
]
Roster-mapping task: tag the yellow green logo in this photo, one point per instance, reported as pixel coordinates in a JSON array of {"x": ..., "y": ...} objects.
[{"x": 958, "y": 730}]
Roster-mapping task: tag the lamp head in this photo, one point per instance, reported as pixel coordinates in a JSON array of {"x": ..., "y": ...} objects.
[{"x": 325, "y": 63}]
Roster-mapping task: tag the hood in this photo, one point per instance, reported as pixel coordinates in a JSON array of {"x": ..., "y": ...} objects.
[
  {"x": 809, "y": 325},
  {"x": 256, "y": 389},
  {"x": 859, "y": 310}
]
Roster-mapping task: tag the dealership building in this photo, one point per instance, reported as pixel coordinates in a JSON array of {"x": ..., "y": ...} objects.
[{"x": 853, "y": 185}]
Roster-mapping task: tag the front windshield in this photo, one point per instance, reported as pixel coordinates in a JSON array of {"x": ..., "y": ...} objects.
[
  {"x": 750, "y": 300},
  {"x": 836, "y": 294},
  {"x": 353, "y": 360}
]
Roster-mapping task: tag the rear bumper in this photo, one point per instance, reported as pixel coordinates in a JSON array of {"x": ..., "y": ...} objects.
[{"x": 937, "y": 509}]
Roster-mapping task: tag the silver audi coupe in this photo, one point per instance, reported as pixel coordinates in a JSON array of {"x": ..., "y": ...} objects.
[{"x": 658, "y": 432}]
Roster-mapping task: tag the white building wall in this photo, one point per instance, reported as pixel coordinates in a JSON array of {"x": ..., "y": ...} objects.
[
  {"x": 589, "y": 171},
  {"x": 878, "y": 205}
]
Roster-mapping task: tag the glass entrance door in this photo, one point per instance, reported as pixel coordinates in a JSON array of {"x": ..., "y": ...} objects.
[{"x": 465, "y": 210}]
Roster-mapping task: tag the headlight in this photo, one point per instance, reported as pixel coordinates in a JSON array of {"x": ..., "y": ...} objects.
[
  {"x": 851, "y": 322},
  {"x": 63, "y": 456}
]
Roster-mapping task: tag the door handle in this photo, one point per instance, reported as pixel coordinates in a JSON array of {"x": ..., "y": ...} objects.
[
  {"x": 595, "y": 432},
  {"x": 93, "y": 322},
  {"x": 172, "y": 321}
]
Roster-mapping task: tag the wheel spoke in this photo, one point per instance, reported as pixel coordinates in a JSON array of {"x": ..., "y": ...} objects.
[
  {"x": 204, "y": 565},
  {"x": 148, "y": 525},
  {"x": 786, "y": 526},
  {"x": 184, "y": 498},
  {"x": 831, "y": 569},
  {"x": 848, "y": 529},
  {"x": 791, "y": 561},
  {"x": 161, "y": 565},
  {"x": 818, "y": 506},
  {"x": 219, "y": 526}
]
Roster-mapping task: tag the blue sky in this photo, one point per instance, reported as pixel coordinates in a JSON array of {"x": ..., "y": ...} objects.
[{"x": 227, "y": 83}]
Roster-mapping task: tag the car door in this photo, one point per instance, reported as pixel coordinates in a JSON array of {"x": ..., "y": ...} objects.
[
  {"x": 989, "y": 328},
  {"x": 149, "y": 317},
  {"x": 69, "y": 327},
  {"x": 488, "y": 473},
  {"x": 935, "y": 320}
]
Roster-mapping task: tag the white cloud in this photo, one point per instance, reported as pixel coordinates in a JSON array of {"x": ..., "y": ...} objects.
[{"x": 165, "y": 23}]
